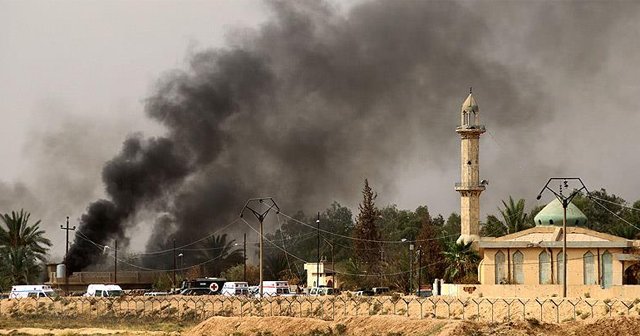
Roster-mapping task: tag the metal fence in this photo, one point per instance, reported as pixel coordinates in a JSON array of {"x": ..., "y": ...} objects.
[{"x": 327, "y": 308}]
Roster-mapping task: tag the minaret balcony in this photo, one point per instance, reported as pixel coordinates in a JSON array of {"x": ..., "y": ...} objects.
[
  {"x": 470, "y": 129},
  {"x": 470, "y": 187}
]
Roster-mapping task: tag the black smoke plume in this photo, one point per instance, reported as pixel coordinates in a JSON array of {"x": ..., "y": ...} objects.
[{"x": 307, "y": 107}]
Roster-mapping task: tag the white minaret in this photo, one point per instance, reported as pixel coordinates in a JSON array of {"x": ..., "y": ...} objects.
[{"x": 470, "y": 187}]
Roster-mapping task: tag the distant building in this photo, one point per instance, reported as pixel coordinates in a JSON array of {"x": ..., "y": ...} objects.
[{"x": 327, "y": 276}]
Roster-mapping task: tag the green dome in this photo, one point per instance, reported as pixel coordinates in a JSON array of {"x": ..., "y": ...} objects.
[{"x": 552, "y": 214}]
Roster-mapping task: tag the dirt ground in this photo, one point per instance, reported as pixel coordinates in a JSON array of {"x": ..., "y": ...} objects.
[
  {"x": 402, "y": 326},
  {"x": 362, "y": 326}
]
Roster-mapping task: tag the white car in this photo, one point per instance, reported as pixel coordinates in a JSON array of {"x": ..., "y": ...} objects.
[{"x": 101, "y": 290}]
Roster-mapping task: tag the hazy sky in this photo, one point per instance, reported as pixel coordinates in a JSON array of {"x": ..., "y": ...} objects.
[{"x": 77, "y": 73}]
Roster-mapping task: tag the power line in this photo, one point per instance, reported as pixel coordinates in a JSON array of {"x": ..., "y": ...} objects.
[
  {"x": 146, "y": 268},
  {"x": 615, "y": 214},
  {"x": 607, "y": 201},
  {"x": 361, "y": 239}
]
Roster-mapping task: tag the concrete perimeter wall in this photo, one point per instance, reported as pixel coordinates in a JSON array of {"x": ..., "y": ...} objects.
[{"x": 535, "y": 291}]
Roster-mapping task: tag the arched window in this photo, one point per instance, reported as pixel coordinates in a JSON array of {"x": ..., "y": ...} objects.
[
  {"x": 560, "y": 268},
  {"x": 501, "y": 276},
  {"x": 607, "y": 269},
  {"x": 518, "y": 274},
  {"x": 544, "y": 268},
  {"x": 587, "y": 261}
]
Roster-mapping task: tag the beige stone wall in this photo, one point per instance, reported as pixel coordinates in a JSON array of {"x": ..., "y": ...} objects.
[
  {"x": 541, "y": 291},
  {"x": 575, "y": 266}
]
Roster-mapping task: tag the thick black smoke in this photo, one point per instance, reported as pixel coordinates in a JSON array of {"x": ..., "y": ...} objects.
[{"x": 304, "y": 110}]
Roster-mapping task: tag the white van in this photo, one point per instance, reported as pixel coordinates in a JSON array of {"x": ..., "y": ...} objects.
[
  {"x": 34, "y": 291},
  {"x": 272, "y": 288},
  {"x": 100, "y": 290},
  {"x": 235, "y": 289}
]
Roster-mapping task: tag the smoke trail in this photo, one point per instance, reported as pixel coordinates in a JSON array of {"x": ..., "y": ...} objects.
[{"x": 303, "y": 110}]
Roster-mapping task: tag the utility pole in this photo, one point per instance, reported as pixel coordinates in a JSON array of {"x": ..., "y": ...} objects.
[
  {"x": 419, "y": 270},
  {"x": 66, "y": 252},
  {"x": 115, "y": 264},
  {"x": 173, "y": 284},
  {"x": 565, "y": 200},
  {"x": 410, "y": 268},
  {"x": 244, "y": 257},
  {"x": 318, "y": 264},
  {"x": 260, "y": 215}
]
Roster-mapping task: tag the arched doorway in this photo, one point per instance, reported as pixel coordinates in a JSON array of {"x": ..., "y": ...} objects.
[{"x": 632, "y": 275}]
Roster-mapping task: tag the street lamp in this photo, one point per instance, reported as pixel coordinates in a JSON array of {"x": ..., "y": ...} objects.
[{"x": 565, "y": 200}]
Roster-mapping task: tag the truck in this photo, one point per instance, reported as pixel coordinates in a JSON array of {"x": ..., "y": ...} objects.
[
  {"x": 34, "y": 291},
  {"x": 235, "y": 288},
  {"x": 102, "y": 290},
  {"x": 199, "y": 284}
]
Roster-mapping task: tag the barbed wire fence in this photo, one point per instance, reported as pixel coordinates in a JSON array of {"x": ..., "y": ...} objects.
[{"x": 551, "y": 310}]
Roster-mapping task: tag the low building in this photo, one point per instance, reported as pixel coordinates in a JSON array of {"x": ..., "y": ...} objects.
[{"x": 320, "y": 275}]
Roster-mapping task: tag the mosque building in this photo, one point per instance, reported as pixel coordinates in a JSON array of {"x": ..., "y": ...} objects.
[{"x": 529, "y": 263}]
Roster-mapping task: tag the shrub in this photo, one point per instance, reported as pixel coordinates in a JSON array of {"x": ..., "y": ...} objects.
[
  {"x": 341, "y": 329},
  {"x": 533, "y": 321}
]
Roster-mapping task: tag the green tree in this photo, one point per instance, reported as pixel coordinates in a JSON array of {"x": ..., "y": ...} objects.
[
  {"x": 18, "y": 267},
  {"x": 17, "y": 232},
  {"x": 218, "y": 254},
  {"x": 462, "y": 263},
  {"x": 514, "y": 219},
  {"x": 366, "y": 245},
  {"x": 431, "y": 243},
  {"x": 452, "y": 227},
  {"x": 606, "y": 213},
  {"x": 236, "y": 273},
  {"x": 22, "y": 248},
  {"x": 514, "y": 216}
]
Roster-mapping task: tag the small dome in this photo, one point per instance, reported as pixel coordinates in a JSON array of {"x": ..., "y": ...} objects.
[
  {"x": 470, "y": 104},
  {"x": 552, "y": 214}
]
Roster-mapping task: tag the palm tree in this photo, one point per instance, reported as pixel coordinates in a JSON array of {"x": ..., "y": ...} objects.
[
  {"x": 218, "y": 254},
  {"x": 18, "y": 233},
  {"x": 18, "y": 266},
  {"x": 514, "y": 216},
  {"x": 461, "y": 261}
]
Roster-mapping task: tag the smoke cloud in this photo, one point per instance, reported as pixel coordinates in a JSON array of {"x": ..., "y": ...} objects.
[{"x": 315, "y": 101}]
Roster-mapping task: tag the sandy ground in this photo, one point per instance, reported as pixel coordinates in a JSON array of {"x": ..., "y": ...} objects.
[
  {"x": 81, "y": 331},
  {"x": 402, "y": 326}
]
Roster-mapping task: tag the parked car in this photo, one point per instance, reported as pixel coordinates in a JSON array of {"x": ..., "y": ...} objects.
[
  {"x": 380, "y": 290},
  {"x": 363, "y": 292},
  {"x": 197, "y": 291},
  {"x": 101, "y": 290},
  {"x": 321, "y": 291},
  {"x": 424, "y": 293},
  {"x": 156, "y": 294}
]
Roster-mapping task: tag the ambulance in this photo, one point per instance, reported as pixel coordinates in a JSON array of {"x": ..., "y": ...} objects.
[{"x": 34, "y": 291}]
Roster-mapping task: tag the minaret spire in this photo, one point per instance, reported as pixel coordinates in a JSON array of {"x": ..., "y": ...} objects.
[{"x": 469, "y": 186}]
